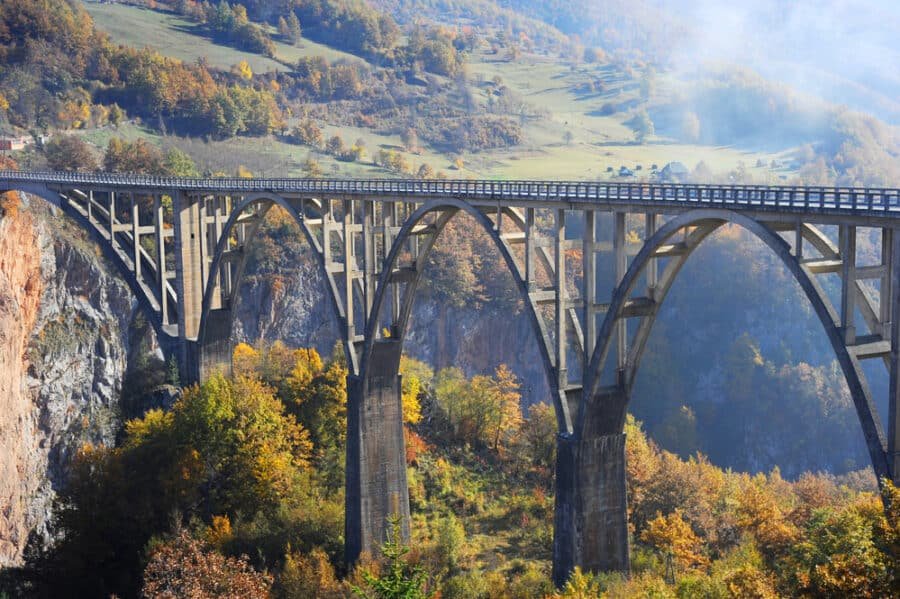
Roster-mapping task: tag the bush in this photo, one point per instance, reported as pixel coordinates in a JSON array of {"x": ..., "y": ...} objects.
[
  {"x": 184, "y": 567},
  {"x": 70, "y": 153}
]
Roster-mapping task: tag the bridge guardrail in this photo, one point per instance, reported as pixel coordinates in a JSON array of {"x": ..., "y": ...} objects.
[{"x": 840, "y": 198}]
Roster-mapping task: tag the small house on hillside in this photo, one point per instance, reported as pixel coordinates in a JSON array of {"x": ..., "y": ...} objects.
[
  {"x": 674, "y": 172},
  {"x": 14, "y": 143}
]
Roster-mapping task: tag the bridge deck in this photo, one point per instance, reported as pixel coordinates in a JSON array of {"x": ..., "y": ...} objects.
[{"x": 878, "y": 203}]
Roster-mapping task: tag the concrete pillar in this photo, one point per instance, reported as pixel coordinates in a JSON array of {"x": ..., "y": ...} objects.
[
  {"x": 376, "y": 486},
  {"x": 591, "y": 517},
  {"x": 214, "y": 348},
  {"x": 189, "y": 250},
  {"x": 893, "y": 297}
]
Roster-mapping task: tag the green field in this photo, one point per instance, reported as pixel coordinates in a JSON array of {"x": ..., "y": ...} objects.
[
  {"x": 180, "y": 38},
  {"x": 597, "y": 142}
]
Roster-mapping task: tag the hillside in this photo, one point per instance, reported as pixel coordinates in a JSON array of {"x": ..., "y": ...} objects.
[{"x": 567, "y": 133}]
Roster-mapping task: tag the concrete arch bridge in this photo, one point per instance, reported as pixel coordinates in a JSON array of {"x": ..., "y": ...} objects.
[{"x": 182, "y": 246}]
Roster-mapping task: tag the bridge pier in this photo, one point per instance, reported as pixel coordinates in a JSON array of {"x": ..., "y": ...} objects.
[
  {"x": 591, "y": 512},
  {"x": 214, "y": 349},
  {"x": 376, "y": 485}
]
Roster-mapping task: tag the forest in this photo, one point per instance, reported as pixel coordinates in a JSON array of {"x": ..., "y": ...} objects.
[{"x": 237, "y": 491}]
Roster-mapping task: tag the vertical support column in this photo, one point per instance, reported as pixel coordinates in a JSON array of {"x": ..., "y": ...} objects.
[
  {"x": 217, "y": 301},
  {"x": 529, "y": 249},
  {"x": 848, "y": 282},
  {"x": 591, "y": 517},
  {"x": 376, "y": 485},
  {"x": 621, "y": 268},
  {"x": 350, "y": 327},
  {"x": 161, "y": 279},
  {"x": 369, "y": 255},
  {"x": 136, "y": 236},
  {"x": 203, "y": 240},
  {"x": 189, "y": 278},
  {"x": 652, "y": 271},
  {"x": 562, "y": 376},
  {"x": 390, "y": 222},
  {"x": 886, "y": 289},
  {"x": 893, "y": 298},
  {"x": 111, "y": 206},
  {"x": 589, "y": 267}
]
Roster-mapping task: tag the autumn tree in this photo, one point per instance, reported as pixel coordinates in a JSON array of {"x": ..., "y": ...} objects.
[
  {"x": 308, "y": 133},
  {"x": 183, "y": 567},
  {"x": 179, "y": 164},
  {"x": 245, "y": 360},
  {"x": 309, "y": 575},
  {"x": 136, "y": 156},
  {"x": 410, "y": 140},
  {"x": 335, "y": 146},
  {"x": 505, "y": 413},
  {"x": 289, "y": 28},
  {"x": 672, "y": 535},
  {"x": 116, "y": 115},
  {"x": 539, "y": 435},
  {"x": 242, "y": 70},
  {"x": 70, "y": 153},
  {"x": 312, "y": 168},
  {"x": 483, "y": 411},
  {"x": 425, "y": 172}
]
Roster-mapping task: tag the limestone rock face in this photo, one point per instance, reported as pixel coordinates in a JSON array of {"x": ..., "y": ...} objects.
[
  {"x": 66, "y": 328},
  {"x": 294, "y": 307}
]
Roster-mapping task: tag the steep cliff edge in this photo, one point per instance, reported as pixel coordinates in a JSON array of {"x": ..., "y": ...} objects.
[
  {"x": 67, "y": 327},
  {"x": 20, "y": 291}
]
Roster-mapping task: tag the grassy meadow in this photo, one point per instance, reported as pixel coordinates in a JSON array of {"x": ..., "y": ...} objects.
[{"x": 572, "y": 138}]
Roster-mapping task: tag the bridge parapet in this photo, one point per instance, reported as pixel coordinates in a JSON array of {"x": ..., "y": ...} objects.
[{"x": 845, "y": 201}]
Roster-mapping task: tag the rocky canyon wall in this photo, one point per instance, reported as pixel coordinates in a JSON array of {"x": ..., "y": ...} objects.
[{"x": 67, "y": 324}]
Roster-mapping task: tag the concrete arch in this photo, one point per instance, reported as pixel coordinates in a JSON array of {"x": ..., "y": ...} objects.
[
  {"x": 215, "y": 330},
  {"x": 706, "y": 222},
  {"x": 448, "y": 209},
  {"x": 145, "y": 298}
]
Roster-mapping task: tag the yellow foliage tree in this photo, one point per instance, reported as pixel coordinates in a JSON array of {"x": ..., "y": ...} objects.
[
  {"x": 245, "y": 360},
  {"x": 307, "y": 364},
  {"x": 242, "y": 70},
  {"x": 671, "y": 534},
  {"x": 505, "y": 416},
  {"x": 759, "y": 513},
  {"x": 409, "y": 397}
]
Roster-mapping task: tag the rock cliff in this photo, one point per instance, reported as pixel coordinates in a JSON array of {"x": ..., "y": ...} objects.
[{"x": 67, "y": 327}]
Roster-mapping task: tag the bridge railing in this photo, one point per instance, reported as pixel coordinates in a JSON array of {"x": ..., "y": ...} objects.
[{"x": 839, "y": 198}]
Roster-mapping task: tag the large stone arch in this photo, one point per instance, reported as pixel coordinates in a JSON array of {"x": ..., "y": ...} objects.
[
  {"x": 447, "y": 209},
  {"x": 608, "y": 416},
  {"x": 213, "y": 349}
]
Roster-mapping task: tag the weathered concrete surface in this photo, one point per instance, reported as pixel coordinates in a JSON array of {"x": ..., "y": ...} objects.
[
  {"x": 591, "y": 523},
  {"x": 377, "y": 488},
  {"x": 213, "y": 352}
]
